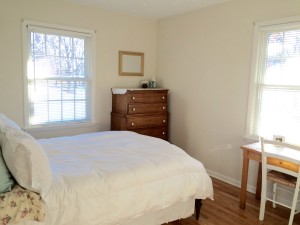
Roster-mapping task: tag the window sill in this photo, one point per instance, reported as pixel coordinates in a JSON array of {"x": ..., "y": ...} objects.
[
  {"x": 250, "y": 139},
  {"x": 57, "y": 130}
]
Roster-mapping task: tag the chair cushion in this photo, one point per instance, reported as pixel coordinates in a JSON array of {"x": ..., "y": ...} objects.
[{"x": 282, "y": 178}]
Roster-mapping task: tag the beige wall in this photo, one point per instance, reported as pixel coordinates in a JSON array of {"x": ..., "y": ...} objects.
[
  {"x": 204, "y": 59},
  {"x": 114, "y": 32}
]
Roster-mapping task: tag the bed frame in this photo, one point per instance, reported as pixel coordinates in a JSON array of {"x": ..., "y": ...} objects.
[
  {"x": 178, "y": 211},
  {"x": 198, "y": 205}
]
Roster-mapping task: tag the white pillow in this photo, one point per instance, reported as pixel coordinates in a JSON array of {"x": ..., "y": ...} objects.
[
  {"x": 26, "y": 160},
  {"x": 6, "y": 122}
]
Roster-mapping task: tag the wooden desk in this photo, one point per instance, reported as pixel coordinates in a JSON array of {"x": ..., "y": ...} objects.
[{"x": 251, "y": 151}]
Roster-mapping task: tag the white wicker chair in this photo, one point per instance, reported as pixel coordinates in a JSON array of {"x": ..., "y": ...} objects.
[{"x": 279, "y": 168}]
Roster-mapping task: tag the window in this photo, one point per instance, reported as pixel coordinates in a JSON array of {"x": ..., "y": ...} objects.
[
  {"x": 58, "y": 74},
  {"x": 274, "y": 94}
]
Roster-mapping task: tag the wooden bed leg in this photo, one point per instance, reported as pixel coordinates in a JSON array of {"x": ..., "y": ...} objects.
[{"x": 198, "y": 204}]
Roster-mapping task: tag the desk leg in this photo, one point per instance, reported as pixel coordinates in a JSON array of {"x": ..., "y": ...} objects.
[
  {"x": 244, "y": 180},
  {"x": 258, "y": 184}
]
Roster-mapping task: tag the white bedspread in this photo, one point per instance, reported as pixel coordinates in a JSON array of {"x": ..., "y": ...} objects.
[{"x": 114, "y": 177}]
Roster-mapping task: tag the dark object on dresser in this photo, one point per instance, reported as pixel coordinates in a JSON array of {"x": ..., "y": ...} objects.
[{"x": 144, "y": 111}]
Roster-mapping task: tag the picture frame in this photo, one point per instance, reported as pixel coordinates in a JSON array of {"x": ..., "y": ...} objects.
[
  {"x": 131, "y": 63},
  {"x": 278, "y": 138}
]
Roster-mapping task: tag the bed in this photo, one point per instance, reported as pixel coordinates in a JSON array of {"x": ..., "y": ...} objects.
[{"x": 109, "y": 178}]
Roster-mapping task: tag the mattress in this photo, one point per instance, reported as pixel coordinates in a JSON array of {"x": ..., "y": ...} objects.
[{"x": 117, "y": 176}]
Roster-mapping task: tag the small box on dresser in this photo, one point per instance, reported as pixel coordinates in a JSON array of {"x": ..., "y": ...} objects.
[{"x": 144, "y": 111}]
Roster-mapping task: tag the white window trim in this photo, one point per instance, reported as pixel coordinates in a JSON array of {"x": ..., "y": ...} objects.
[
  {"x": 92, "y": 56},
  {"x": 289, "y": 21}
]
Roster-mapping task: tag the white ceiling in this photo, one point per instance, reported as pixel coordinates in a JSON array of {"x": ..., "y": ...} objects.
[{"x": 152, "y": 9}]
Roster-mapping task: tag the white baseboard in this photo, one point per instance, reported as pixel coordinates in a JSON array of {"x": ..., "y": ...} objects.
[
  {"x": 229, "y": 180},
  {"x": 281, "y": 196}
]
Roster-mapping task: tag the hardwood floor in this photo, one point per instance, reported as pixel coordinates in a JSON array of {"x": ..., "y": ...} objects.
[{"x": 224, "y": 210}]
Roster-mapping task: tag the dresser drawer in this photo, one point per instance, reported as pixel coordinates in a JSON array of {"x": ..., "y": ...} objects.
[
  {"x": 159, "y": 132},
  {"x": 147, "y": 108},
  {"x": 147, "y": 97},
  {"x": 134, "y": 122}
]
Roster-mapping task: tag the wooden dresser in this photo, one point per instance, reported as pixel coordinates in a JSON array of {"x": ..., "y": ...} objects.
[{"x": 144, "y": 111}]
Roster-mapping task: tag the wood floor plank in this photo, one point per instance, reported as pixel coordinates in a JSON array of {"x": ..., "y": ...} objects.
[{"x": 225, "y": 210}]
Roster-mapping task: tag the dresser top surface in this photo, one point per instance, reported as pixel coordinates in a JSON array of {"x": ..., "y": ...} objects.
[{"x": 125, "y": 90}]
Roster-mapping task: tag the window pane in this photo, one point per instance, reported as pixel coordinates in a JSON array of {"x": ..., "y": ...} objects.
[
  {"x": 45, "y": 67},
  {"x": 280, "y": 113},
  {"x": 67, "y": 67},
  {"x": 38, "y": 44},
  {"x": 68, "y": 90},
  {"x": 79, "y": 70},
  {"x": 52, "y": 45},
  {"x": 38, "y": 113},
  {"x": 68, "y": 111},
  {"x": 80, "y": 91},
  {"x": 283, "y": 58},
  {"x": 54, "y": 89},
  {"x": 80, "y": 110},
  {"x": 55, "y": 111},
  {"x": 38, "y": 90},
  {"x": 79, "y": 50}
]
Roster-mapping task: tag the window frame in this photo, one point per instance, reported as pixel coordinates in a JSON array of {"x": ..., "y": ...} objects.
[
  {"x": 26, "y": 44},
  {"x": 253, "y": 93}
]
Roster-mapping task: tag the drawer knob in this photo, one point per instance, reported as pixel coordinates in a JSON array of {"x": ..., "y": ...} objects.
[
  {"x": 163, "y": 133},
  {"x": 132, "y": 124},
  {"x": 133, "y": 98},
  {"x": 163, "y": 97},
  {"x": 164, "y": 107},
  {"x": 133, "y": 109},
  {"x": 164, "y": 121}
]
